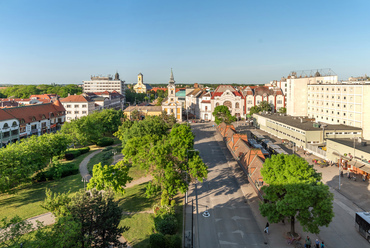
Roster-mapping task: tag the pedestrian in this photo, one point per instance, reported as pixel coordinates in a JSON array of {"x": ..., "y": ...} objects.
[
  {"x": 322, "y": 245},
  {"x": 266, "y": 230},
  {"x": 317, "y": 242},
  {"x": 308, "y": 242}
]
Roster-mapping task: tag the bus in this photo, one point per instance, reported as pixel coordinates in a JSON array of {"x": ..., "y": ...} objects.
[{"x": 363, "y": 224}]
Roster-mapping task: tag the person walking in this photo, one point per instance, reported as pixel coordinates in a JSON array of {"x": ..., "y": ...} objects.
[
  {"x": 317, "y": 242},
  {"x": 308, "y": 242},
  {"x": 266, "y": 230},
  {"x": 322, "y": 244}
]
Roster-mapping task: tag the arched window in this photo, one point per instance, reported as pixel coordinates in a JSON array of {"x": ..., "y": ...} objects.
[
  {"x": 217, "y": 104},
  {"x": 5, "y": 126},
  {"x": 14, "y": 124},
  {"x": 23, "y": 121},
  {"x": 33, "y": 118},
  {"x": 43, "y": 117},
  {"x": 237, "y": 105},
  {"x": 228, "y": 104}
]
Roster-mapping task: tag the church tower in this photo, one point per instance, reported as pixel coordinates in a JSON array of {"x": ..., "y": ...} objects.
[{"x": 171, "y": 105}]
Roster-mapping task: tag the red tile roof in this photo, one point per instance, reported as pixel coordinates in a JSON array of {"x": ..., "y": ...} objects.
[
  {"x": 222, "y": 88},
  {"x": 38, "y": 111},
  {"x": 76, "y": 98},
  {"x": 5, "y": 116}
]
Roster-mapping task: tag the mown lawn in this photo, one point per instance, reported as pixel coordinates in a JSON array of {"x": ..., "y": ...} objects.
[
  {"x": 141, "y": 227},
  {"x": 27, "y": 200}
]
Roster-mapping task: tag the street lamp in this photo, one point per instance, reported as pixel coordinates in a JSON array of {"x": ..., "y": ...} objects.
[
  {"x": 187, "y": 161},
  {"x": 114, "y": 155}
]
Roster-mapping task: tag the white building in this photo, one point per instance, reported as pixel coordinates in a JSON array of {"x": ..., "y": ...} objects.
[
  {"x": 205, "y": 106},
  {"x": 297, "y": 88},
  {"x": 172, "y": 105},
  {"x": 104, "y": 100},
  {"x": 192, "y": 102},
  {"x": 77, "y": 106},
  {"x": 101, "y": 84},
  {"x": 229, "y": 96}
]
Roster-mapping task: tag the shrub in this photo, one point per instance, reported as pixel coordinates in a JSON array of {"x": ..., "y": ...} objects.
[
  {"x": 166, "y": 224},
  {"x": 84, "y": 150},
  {"x": 157, "y": 240},
  {"x": 172, "y": 241},
  {"x": 72, "y": 154},
  {"x": 173, "y": 203},
  {"x": 107, "y": 148},
  {"x": 105, "y": 141},
  {"x": 164, "y": 198},
  {"x": 56, "y": 171}
]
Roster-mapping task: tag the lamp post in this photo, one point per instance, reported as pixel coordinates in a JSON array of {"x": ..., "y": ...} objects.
[
  {"x": 114, "y": 155},
  {"x": 187, "y": 166}
]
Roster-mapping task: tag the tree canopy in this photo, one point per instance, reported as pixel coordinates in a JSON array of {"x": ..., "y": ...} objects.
[
  {"x": 222, "y": 114},
  {"x": 262, "y": 106},
  {"x": 294, "y": 190},
  {"x": 24, "y": 91}
]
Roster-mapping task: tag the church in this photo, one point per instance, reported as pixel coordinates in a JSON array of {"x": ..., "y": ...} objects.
[
  {"x": 172, "y": 105},
  {"x": 140, "y": 87}
]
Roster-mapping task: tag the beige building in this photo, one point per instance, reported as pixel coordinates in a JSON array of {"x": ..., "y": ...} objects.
[
  {"x": 172, "y": 105},
  {"x": 101, "y": 84},
  {"x": 303, "y": 132},
  {"x": 192, "y": 101},
  {"x": 143, "y": 111},
  {"x": 228, "y": 96},
  {"x": 205, "y": 106},
  {"x": 297, "y": 88},
  {"x": 345, "y": 103},
  {"x": 140, "y": 87}
]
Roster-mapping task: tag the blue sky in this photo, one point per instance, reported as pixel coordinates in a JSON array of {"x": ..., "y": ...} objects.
[{"x": 203, "y": 41}]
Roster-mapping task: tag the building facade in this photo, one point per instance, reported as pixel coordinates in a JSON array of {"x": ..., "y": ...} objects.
[
  {"x": 342, "y": 103},
  {"x": 193, "y": 99},
  {"x": 228, "y": 96},
  {"x": 77, "y": 106},
  {"x": 9, "y": 128},
  {"x": 171, "y": 105},
  {"x": 101, "y": 84},
  {"x": 206, "y": 106},
  {"x": 297, "y": 88},
  {"x": 140, "y": 87}
]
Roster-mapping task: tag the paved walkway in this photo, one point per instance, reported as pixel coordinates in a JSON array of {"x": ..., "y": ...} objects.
[{"x": 49, "y": 219}]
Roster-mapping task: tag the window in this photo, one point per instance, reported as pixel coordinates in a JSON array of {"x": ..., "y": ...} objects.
[
  {"x": 5, "y": 126},
  {"x": 217, "y": 104},
  {"x": 279, "y": 101},
  {"x": 84, "y": 106},
  {"x": 76, "y": 112},
  {"x": 237, "y": 105},
  {"x": 249, "y": 102},
  {"x": 14, "y": 124},
  {"x": 69, "y": 112},
  {"x": 83, "y": 112},
  {"x": 344, "y": 114},
  {"x": 206, "y": 108},
  {"x": 76, "y": 106}
]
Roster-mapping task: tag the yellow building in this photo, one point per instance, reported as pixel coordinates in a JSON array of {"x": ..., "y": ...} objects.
[
  {"x": 140, "y": 87},
  {"x": 172, "y": 105},
  {"x": 143, "y": 111}
]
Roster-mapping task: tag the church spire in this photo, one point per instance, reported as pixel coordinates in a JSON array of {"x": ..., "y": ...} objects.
[{"x": 172, "y": 80}]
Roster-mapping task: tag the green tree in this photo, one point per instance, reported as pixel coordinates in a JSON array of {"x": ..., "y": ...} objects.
[
  {"x": 222, "y": 114},
  {"x": 282, "y": 110},
  {"x": 112, "y": 177},
  {"x": 294, "y": 190},
  {"x": 135, "y": 115},
  {"x": 12, "y": 231},
  {"x": 95, "y": 215},
  {"x": 265, "y": 106},
  {"x": 159, "y": 101},
  {"x": 255, "y": 109}
]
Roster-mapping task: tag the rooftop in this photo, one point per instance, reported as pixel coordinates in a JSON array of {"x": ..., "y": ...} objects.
[
  {"x": 349, "y": 143},
  {"x": 306, "y": 124}
]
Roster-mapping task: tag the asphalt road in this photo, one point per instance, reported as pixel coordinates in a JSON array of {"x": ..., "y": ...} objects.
[{"x": 231, "y": 223}]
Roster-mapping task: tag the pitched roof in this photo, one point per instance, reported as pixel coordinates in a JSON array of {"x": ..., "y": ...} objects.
[
  {"x": 76, "y": 98},
  {"x": 5, "y": 116},
  {"x": 196, "y": 92},
  {"x": 38, "y": 112},
  {"x": 222, "y": 88}
]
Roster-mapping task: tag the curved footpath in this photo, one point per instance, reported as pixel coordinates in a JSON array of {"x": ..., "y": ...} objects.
[{"x": 49, "y": 219}]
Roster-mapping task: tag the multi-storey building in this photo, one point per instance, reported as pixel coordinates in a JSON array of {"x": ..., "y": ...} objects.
[
  {"x": 228, "y": 96},
  {"x": 206, "y": 106},
  {"x": 101, "y": 84},
  {"x": 77, "y": 106},
  {"x": 9, "y": 128},
  {"x": 297, "y": 88},
  {"x": 38, "y": 119},
  {"x": 254, "y": 95},
  {"x": 104, "y": 100},
  {"x": 193, "y": 102},
  {"x": 172, "y": 105},
  {"x": 342, "y": 103}
]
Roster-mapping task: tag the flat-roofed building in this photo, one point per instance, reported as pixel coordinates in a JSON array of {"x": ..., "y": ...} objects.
[
  {"x": 297, "y": 88},
  {"x": 101, "y": 84},
  {"x": 345, "y": 103},
  {"x": 303, "y": 132}
]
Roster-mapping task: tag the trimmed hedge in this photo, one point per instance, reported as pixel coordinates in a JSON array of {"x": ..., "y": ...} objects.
[
  {"x": 51, "y": 173},
  {"x": 74, "y": 153},
  {"x": 105, "y": 141}
]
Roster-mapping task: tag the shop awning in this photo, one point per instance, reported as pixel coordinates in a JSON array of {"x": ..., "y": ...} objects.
[{"x": 360, "y": 165}]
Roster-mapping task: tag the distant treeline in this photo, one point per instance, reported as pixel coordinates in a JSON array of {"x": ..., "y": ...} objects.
[{"x": 24, "y": 91}]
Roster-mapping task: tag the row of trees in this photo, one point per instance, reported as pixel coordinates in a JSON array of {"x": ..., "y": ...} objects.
[
  {"x": 166, "y": 155},
  {"x": 24, "y": 91},
  {"x": 18, "y": 161},
  {"x": 133, "y": 97},
  {"x": 91, "y": 128}
]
